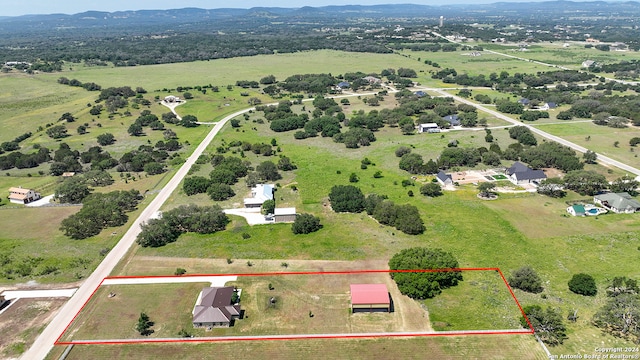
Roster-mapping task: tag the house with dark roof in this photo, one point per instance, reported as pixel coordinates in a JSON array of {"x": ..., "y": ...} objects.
[
  {"x": 344, "y": 85},
  {"x": 452, "y": 119},
  {"x": 214, "y": 308},
  {"x": 370, "y": 298},
  {"x": 420, "y": 93},
  {"x": 524, "y": 101},
  {"x": 18, "y": 195},
  {"x": 444, "y": 178},
  {"x": 620, "y": 203},
  {"x": 520, "y": 173},
  {"x": 259, "y": 194}
]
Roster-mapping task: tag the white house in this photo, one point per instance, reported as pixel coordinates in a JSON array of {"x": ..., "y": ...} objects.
[
  {"x": 444, "y": 178},
  {"x": 428, "y": 128},
  {"x": 284, "y": 214},
  {"x": 18, "y": 195},
  {"x": 259, "y": 194},
  {"x": 618, "y": 202}
]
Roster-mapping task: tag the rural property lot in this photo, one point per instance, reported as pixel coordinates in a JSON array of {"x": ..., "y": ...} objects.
[
  {"x": 24, "y": 320},
  {"x": 287, "y": 304}
]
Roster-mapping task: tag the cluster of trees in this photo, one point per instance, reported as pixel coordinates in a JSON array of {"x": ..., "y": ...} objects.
[
  {"x": 523, "y": 134},
  {"x": 587, "y": 182},
  {"x": 533, "y": 115},
  {"x": 186, "y": 218},
  {"x": 526, "y": 279},
  {"x": 226, "y": 172},
  {"x": 99, "y": 210},
  {"x": 14, "y": 144},
  {"x": 90, "y": 86},
  {"x": 422, "y": 283},
  {"x": 349, "y": 198},
  {"x": 24, "y": 161},
  {"x": 188, "y": 121}
]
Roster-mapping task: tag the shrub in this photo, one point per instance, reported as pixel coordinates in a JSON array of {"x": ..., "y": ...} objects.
[
  {"x": 305, "y": 224},
  {"x": 583, "y": 284},
  {"x": 526, "y": 279}
]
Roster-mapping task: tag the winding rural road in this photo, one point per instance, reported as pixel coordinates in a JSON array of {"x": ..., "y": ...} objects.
[
  {"x": 601, "y": 158},
  {"x": 45, "y": 342}
]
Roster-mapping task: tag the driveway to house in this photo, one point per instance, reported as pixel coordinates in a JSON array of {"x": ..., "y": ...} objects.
[
  {"x": 32, "y": 294},
  {"x": 172, "y": 106},
  {"x": 44, "y": 343},
  {"x": 41, "y": 202},
  {"x": 216, "y": 281},
  {"x": 253, "y": 216}
]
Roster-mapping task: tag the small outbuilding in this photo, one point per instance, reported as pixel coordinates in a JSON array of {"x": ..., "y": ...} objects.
[
  {"x": 284, "y": 214},
  {"x": 370, "y": 298},
  {"x": 18, "y": 195},
  {"x": 428, "y": 128},
  {"x": 577, "y": 210}
]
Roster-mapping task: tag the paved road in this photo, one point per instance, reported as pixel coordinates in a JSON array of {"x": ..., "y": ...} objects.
[
  {"x": 601, "y": 158},
  {"x": 44, "y": 343},
  {"x": 305, "y": 336}
]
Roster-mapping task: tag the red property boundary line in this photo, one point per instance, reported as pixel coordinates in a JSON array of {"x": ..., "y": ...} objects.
[{"x": 530, "y": 331}]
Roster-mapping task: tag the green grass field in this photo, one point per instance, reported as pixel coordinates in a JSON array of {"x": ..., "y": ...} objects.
[{"x": 510, "y": 232}]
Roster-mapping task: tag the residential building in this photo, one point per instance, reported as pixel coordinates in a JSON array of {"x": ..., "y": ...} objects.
[
  {"x": 18, "y": 195},
  {"x": 444, "y": 178},
  {"x": 214, "y": 308},
  {"x": 618, "y": 202},
  {"x": 520, "y": 173},
  {"x": 259, "y": 194},
  {"x": 452, "y": 119}
]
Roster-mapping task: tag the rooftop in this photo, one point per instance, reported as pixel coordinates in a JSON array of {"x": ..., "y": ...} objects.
[{"x": 369, "y": 294}]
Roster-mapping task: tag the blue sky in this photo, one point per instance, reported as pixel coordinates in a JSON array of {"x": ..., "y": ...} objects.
[{"x": 22, "y": 7}]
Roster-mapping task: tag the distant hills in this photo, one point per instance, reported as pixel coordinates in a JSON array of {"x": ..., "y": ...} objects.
[{"x": 327, "y": 14}]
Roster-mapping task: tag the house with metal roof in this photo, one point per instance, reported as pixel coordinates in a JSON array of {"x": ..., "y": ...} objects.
[
  {"x": 18, "y": 195},
  {"x": 284, "y": 214},
  {"x": 520, "y": 173},
  {"x": 621, "y": 203},
  {"x": 259, "y": 194},
  {"x": 428, "y": 128},
  {"x": 214, "y": 308},
  {"x": 370, "y": 298}
]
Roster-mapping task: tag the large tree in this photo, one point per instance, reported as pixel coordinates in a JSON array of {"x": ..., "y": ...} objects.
[
  {"x": 422, "y": 285},
  {"x": 620, "y": 316},
  {"x": 547, "y": 324},
  {"x": 305, "y": 224},
  {"x": 268, "y": 171},
  {"x": 72, "y": 191},
  {"x": 346, "y": 198}
]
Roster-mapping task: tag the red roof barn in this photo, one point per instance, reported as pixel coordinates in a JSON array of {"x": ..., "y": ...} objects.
[{"x": 370, "y": 297}]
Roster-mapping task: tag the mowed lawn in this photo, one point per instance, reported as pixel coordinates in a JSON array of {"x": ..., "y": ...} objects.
[
  {"x": 481, "y": 301},
  {"x": 167, "y": 305},
  {"x": 501, "y": 347}
]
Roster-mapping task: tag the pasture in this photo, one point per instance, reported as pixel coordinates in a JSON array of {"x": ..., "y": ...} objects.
[{"x": 508, "y": 233}]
